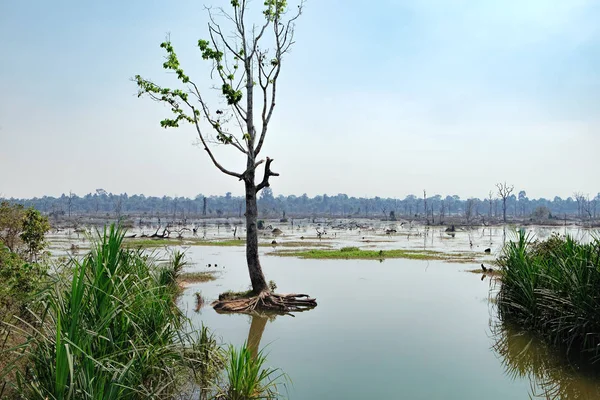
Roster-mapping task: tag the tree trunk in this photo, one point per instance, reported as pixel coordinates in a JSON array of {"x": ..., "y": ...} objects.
[{"x": 256, "y": 275}]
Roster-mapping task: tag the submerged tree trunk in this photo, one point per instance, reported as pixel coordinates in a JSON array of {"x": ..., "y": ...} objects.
[{"x": 257, "y": 277}]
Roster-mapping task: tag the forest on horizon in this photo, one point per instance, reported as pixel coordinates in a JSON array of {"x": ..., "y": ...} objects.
[{"x": 517, "y": 205}]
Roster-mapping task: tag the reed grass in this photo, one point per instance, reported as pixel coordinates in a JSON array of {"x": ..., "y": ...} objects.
[
  {"x": 112, "y": 331},
  {"x": 248, "y": 378},
  {"x": 552, "y": 287}
]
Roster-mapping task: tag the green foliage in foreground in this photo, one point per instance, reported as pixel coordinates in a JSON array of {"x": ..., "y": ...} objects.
[
  {"x": 111, "y": 331},
  {"x": 553, "y": 288},
  {"x": 354, "y": 253},
  {"x": 248, "y": 378}
]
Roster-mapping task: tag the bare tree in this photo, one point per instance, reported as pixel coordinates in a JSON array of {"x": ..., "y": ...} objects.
[
  {"x": 70, "y": 202},
  {"x": 442, "y": 211},
  {"x": 118, "y": 204},
  {"x": 244, "y": 68},
  {"x": 580, "y": 203},
  {"x": 504, "y": 192},
  {"x": 587, "y": 207},
  {"x": 490, "y": 200},
  {"x": 469, "y": 205}
]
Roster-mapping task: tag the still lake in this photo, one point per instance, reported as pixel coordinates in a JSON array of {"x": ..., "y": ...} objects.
[{"x": 401, "y": 329}]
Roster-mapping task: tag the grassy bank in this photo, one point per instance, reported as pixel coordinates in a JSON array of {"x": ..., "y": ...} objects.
[
  {"x": 354, "y": 253},
  {"x": 553, "y": 288}
]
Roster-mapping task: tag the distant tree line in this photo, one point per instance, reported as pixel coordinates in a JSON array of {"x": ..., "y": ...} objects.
[{"x": 433, "y": 208}]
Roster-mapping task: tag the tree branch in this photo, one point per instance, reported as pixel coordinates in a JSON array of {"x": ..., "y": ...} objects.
[
  {"x": 268, "y": 174},
  {"x": 282, "y": 46},
  {"x": 210, "y": 154}
]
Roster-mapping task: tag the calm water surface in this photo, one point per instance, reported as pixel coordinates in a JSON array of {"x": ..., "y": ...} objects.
[
  {"x": 403, "y": 329},
  {"x": 397, "y": 329}
]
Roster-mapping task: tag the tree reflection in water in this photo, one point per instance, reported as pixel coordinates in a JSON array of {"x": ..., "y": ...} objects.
[{"x": 257, "y": 328}]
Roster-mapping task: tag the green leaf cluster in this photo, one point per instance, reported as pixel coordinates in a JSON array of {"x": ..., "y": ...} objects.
[
  {"x": 172, "y": 62},
  {"x": 274, "y": 9},
  {"x": 208, "y": 53},
  {"x": 170, "y": 96},
  {"x": 233, "y": 96}
]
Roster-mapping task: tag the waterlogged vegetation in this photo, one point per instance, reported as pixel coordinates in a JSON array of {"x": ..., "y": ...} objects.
[
  {"x": 197, "y": 277},
  {"x": 105, "y": 326},
  {"x": 116, "y": 322},
  {"x": 162, "y": 242},
  {"x": 552, "y": 287},
  {"x": 355, "y": 253},
  {"x": 422, "y": 273},
  {"x": 248, "y": 377}
]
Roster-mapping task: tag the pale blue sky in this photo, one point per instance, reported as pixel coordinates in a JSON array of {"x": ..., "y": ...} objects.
[{"x": 379, "y": 98}]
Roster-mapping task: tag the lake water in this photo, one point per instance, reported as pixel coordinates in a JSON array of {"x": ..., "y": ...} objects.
[
  {"x": 403, "y": 329},
  {"x": 396, "y": 329}
]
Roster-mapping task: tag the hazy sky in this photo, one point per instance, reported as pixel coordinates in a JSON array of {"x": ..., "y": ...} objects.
[{"x": 378, "y": 97}]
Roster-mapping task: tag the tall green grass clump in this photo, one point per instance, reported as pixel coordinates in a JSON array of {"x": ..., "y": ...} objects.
[
  {"x": 111, "y": 330},
  {"x": 247, "y": 378},
  {"x": 552, "y": 287}
]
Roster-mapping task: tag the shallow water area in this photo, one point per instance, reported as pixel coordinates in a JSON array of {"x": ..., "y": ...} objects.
[{"x": 393, "y": 329}]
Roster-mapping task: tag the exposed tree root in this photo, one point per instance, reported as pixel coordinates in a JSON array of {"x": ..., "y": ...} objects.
[{"x": 266, "y": 301}]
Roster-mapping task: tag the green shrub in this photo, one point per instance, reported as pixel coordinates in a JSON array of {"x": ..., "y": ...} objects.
[{"x": 19, "y": 280}]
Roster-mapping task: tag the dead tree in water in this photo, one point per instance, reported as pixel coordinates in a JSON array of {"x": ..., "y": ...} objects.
[
  {"x": 247, "y": 71},
  {"x": 425, "y": 203},
  {"x": 469, "y": 210},
  {"x": 580, "y": 199},
  {"x": 442, "y": 211},
  {"x": 504, "y": 192}
]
